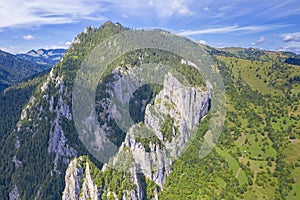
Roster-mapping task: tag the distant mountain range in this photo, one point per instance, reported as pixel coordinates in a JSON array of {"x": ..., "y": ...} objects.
[
  {"x": 44, "y": 57},
  {"x": 14, "y": 69}
]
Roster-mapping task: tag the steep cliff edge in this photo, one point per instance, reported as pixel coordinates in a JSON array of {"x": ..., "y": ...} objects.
[
  {"x": 176, "y": 111},
  {"x": 151, "y": 146}
]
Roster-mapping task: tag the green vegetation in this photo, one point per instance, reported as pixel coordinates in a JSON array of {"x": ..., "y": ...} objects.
[
  {"x": 257, "y": 151},
  {"x": 13, "y": 99},
  {"x": 111, "y": 180},
  {"x": 206, "y": 178},
  {"x": 294, "y": 60},
  {"x": 146, "y": 141},
  {"x": 146, "y": 136},
  {"x": 192, "y": 75},
  {"x": 35, "y": 173},
  {"x": 13, "y": 69},
  {"x": 294, "y": 194},
  {"x": 168, "y": 128},
  {"x": 234, "y": 166}
]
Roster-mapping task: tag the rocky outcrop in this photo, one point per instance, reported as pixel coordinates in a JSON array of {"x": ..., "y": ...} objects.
[
  {"x": 57, "y": 143},
  {"x": 14, "y": 194},
  {"x": 186, "y": 105},
  {"x": 73, "y": 178},
  {"x": 89, "y": 189},
  {"x": 57, "y": 140},
  {"x": 16, "y": 161},
  {"x": 79, "y": 182}
]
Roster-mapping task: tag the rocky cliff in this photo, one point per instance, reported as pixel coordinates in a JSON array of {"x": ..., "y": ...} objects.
[
  {"x": 79, "y": 183},
  {"x": 151, "y": 146},
  {"x": 42, "y": 119},
  {"x": 176, "y": 111}
]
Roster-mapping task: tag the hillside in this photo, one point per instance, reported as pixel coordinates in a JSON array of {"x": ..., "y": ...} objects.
[
  {"x": 255, "y": 156},
  {"x": 14, "y": 69},
  {"x": 259, "y": 139}
]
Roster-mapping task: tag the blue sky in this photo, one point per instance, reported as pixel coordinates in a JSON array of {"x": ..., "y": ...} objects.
[{"x": 264, "y": 24}]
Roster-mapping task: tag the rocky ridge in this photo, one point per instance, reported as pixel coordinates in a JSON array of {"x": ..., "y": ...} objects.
[{"x": 38, "y": 112}]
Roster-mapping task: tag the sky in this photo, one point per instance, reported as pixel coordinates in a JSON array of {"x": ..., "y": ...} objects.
[{"x": 264, "y": 24}]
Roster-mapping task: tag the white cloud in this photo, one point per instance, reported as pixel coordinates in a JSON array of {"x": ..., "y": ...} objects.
[
  {"x": 55, "y": 47},
  {"x": 260, "y": 41},
  {"x": 291, "y": 37},
  {"x": 229, "y": 29},
  {"x": 255, "y": 10},
  {"x": 150, "y": 3},
  {"x": 24, "y": 49},
  {"x": 180, "y": 8},
  {"x": 206, "y": 8},
  {"x": 13, "y": 49},
  {"x": 169, "y": 8},
  {"x": 207, "y": 31},
  {"x": 28, "y": 37},
  {"x": 37, "y": 12},
  {"x": 202, "y": 42},
  {"x": 185, "y": 11}
]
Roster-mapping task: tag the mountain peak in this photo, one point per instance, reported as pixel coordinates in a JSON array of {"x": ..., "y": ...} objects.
[
  {"x": 47, "y": 57},
  {"x": 32, "y": 52}
]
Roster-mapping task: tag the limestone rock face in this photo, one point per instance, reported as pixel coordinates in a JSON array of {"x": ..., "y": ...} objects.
[
  {"x": 151, "y": 147},
  {"x": 45, "y": 115},
  {"x": 57, "y": 141},
  {"x": 73, "y": 177},
  {"x": 79, "y": 182},
  {"x": 186, "y": 105},
  {"x": 89, "y": 189}
]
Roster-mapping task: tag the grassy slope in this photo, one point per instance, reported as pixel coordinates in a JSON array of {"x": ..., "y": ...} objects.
[
  {"x": 234, "y": 166},
  {"x": 246, "y": 143},
  {"x": 295, "y": 193},
  {"x": 259, "y": 76}
]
